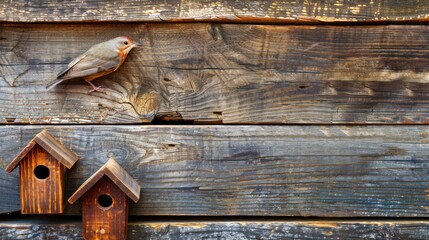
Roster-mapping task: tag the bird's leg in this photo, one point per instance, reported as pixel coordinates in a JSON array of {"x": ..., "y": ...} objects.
[{"x": 94, "y": 88}]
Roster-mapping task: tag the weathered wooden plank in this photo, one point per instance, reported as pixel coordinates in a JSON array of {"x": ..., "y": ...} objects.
[
  {"x": 221, "y": 73},
  {"x": 330, "y": 171},
  {"x": 232, "y": 230},
  {"x": 10, "y": 201},
  {"x": 273, "y": 11}
]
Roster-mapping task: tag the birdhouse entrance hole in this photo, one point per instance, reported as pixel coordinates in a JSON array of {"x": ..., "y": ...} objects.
[
  {"x": 104, "y": 201},
  {"x": 41, "y": 172}
]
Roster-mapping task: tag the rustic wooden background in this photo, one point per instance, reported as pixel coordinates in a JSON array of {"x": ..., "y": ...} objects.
[{"x": 240, "y": 120}]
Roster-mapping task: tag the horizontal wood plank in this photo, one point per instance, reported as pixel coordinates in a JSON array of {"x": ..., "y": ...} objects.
[
  {"x": 221, "y": 73},
  {"x": 273, "y": 11},
  {"x": 328, "y": 171},
  {"x": 232, "y": 230}
]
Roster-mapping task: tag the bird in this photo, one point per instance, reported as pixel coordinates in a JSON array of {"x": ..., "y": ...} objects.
[{"x": 99, "y": 60}]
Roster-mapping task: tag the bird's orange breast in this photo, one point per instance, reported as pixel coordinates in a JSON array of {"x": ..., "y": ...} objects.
[
  {"x": 123, "y": 56},
  {"x": 97, "y": 75}
]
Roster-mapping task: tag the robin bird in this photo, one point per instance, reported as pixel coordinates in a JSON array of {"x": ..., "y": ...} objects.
[{"x": 101, "y": 59}]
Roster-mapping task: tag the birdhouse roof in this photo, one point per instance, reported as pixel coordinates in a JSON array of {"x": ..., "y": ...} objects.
[
  {"x": 117, "y": 174},
  {"x": 64, "y": 155}
]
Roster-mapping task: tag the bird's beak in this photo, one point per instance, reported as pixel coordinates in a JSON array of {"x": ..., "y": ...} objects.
[{"x": 137, "y": 44}]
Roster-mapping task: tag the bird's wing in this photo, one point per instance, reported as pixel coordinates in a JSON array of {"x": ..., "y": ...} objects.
[
  {"x": 85, "y": 65},
  {"x": 88, "y": 64},
  {"x": 70, "y": 65}
]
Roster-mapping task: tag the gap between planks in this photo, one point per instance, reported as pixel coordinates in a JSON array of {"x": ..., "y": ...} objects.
[{"x": 17, "y": 218}]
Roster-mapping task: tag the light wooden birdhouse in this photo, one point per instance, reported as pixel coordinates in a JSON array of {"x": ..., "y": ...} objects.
[
  {"x": 42, "y": 173},
  {"x": 105, "y": 202}
]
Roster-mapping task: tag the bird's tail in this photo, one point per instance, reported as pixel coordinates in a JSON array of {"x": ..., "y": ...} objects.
[{"x": 54, "y": 83}]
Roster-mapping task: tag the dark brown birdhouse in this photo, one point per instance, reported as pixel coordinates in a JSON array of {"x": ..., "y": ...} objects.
[
  {"x": 42, "y": 173},
  {"x": 105, "y": 202}
]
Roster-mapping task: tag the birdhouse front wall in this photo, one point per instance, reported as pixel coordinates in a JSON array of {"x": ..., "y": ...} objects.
[
  {"x": 42, "y": 180},
  {"x": 104, "y": 211}
]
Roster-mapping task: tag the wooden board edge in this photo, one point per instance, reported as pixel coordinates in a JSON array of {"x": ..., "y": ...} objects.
[{"x": 230, "y": 230}]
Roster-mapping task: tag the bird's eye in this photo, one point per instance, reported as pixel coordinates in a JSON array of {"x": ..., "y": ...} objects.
[{"x": 126, "y": 43}]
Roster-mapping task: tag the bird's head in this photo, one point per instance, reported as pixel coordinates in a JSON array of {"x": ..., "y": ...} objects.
[{"x": 125, "y": 44}]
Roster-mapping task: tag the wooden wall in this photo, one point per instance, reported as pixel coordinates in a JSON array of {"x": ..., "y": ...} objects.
[{"x": 237, "y": 119}]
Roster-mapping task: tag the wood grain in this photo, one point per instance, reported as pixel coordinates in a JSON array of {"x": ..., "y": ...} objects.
[
  {"x": 105, "y": 223},
  {"x": 41, "y": 196},
  {"x": 218, "y": 73},
  {"x": 388, "y": 230},
  {"x": 329, "y": 171},
  {"x": 273, "y": 11}
]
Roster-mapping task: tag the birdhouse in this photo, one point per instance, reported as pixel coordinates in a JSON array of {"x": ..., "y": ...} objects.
[
  {"x": 42, "y": 173},
  {"x": 105, "y": 202}
]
